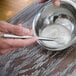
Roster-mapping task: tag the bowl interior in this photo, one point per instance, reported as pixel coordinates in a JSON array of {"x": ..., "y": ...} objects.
[{"x": 48, "y": 14}]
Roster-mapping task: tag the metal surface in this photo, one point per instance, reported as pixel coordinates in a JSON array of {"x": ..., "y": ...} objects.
[
  {"x": 25, "y": 37},
  {"x": 47, "y": 15}
]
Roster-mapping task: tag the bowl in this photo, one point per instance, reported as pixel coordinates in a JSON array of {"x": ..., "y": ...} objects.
[{"x": 49, "y": 15}]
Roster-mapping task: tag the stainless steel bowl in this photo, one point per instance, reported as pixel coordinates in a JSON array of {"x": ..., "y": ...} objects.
[{"x": 48, "y": 14}]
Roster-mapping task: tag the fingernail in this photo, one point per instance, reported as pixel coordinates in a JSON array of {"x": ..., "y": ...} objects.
[
  {"x": 57, "y": 3},
  {"x": 27, "y": 30},
  {"x": 19, "y": 24}
]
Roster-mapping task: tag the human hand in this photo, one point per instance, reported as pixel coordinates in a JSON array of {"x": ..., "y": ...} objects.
[
  {"x": 12, "y": 44},
  {"x": 55, "y": 2}
]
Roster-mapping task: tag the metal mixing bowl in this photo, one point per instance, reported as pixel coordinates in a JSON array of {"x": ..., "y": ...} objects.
[{"x": 48, "y": 14}]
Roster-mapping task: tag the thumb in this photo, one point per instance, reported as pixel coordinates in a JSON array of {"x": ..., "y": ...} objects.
[{"x": 56, "y": 2}]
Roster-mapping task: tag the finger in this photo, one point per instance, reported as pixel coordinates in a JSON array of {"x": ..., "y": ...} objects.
[
  {"x": 5, "y": 27},
  {"x": 3, "y": 51},
  {"x": 56, "y": 2},
  {"x": 41, "y": 1},
  {"x": 16, "y": 43},
  {"x": 23, "y": 31},
  {"x": 18, "y": 30}
]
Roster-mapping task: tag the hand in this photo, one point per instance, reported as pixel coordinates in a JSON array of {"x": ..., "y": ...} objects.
[
  {"x": 55, "y": 2},
  {"x": 11, "y": 44}
]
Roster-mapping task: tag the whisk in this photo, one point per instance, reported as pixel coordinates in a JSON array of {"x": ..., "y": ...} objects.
[{"x": 11, "y": 36}]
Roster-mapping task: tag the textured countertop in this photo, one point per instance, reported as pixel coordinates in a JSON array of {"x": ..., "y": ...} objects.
[{"x": 34, "y": 60}]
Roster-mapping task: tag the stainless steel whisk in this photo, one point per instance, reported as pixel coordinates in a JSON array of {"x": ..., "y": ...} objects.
[{"x": 11, "y": 36}]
